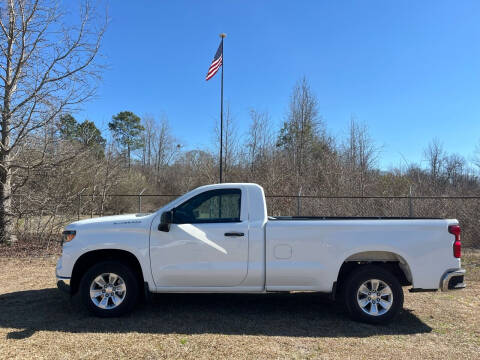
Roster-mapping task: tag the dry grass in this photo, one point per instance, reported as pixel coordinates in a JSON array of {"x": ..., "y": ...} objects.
[{"x": 37, "y": 321}]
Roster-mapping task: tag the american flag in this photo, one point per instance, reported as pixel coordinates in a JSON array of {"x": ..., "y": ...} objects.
[{"x": 216, "y": 63}]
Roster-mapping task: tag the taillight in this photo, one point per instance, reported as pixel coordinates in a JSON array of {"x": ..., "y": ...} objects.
[{"x": 457, "y": 245}]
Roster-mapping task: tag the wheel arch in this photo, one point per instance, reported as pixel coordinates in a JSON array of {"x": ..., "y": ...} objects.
[
  {"x": 90, "y": 258},
  {"x": 389, "y": 260}
]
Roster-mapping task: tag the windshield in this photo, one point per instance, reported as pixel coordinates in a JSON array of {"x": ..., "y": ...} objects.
[{"x": 172, "y": 202}]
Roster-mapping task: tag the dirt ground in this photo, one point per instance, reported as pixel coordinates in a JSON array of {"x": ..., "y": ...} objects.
[{"x": 38, "y": 321}]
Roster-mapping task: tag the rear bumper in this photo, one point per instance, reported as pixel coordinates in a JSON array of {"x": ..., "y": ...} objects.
[
  {"x": 453, "y": 280},
  {"x": 63, "y": 284}
]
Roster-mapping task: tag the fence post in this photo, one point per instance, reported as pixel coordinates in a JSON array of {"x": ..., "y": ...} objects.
[
  {"x": 299, "y": 204},
  {"x": 93, "y": 201},
  {"x": 140, "y": 200},
  {"x": 79, "y": 203},
  {"x": 410, "y": 203}
]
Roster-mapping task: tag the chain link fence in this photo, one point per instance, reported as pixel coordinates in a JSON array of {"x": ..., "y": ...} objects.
[
  {"x": 466, "y": 209},
  {"x": 47, "y": 218}
]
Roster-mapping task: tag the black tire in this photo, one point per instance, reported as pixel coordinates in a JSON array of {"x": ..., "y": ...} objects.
[
  {"x": 130, "y": 282},
  {"x": 353, "y": 284}
]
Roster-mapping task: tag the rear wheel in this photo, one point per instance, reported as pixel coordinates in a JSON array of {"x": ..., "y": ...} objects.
[
  {"x": 109, "y": 289},
  {"x": 373, "y": 295}
]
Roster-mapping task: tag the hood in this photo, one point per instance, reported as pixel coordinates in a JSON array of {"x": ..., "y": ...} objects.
[{"x": 129, "y": 220}]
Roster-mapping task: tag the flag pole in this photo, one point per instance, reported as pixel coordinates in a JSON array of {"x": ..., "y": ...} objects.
[{"x": 222, "y": 35}]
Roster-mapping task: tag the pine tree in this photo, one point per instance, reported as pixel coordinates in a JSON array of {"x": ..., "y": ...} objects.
[{"x": 127, "y": 130}]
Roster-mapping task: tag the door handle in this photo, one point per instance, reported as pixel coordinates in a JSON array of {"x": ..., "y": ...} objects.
[{"x": 234, "y": 234}]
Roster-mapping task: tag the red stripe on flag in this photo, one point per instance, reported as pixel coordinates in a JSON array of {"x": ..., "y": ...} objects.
[
  {"x": 214, "y": 62},
  {"x": 214, "y": 68},
  {"x": 213, "y": 71}
]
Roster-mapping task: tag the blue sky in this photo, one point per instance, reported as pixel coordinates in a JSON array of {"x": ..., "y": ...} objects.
[{"x": 408, "y": 69}]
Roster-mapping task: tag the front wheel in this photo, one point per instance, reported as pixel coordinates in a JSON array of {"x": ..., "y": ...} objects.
[
  {"x": 373, "y": 295},
  {"x": 109, "y": 289}
]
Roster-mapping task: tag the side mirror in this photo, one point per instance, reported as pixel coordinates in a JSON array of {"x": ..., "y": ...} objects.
[{"x": 165, "y": 221}]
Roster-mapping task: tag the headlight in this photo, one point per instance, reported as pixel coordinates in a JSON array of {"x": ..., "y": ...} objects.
[{"x": 68, "y": 235}]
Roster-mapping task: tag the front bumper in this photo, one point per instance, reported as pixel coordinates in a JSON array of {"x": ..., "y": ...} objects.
[
  {"x": 63, "y": 284},
  {"x": 453, "y": 280},
  {"x": 62, "y": 275}
]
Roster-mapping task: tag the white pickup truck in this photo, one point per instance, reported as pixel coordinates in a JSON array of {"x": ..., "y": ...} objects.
[{"x": 218, "y": 238}]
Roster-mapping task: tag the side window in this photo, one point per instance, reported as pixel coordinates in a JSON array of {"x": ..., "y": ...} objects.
[{"x": 209, "y": 207}]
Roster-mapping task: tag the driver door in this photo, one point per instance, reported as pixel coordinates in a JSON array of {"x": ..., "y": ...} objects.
[{"x": 207, "y": 245}]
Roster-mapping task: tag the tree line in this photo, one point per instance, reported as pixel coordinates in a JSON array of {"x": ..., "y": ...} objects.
[
  {"x": 48, "y": 157},
  {"x": 300, "y": 157}
]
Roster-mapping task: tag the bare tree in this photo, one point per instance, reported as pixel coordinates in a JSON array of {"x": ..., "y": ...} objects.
[
  {"x": 455, "y": 165},
  {"x": 148, "y": 140},
  {"x": 159, "y": 146},
  {"x": 230, "y": 142},
  {"x": 259, "y": 138},
  {"x": 300, "y": 131},
  {"x": 164, "y": 147},
  {"x": 476, "y": 156},
  {"x": 360, "y": 154},
  {"x": 193, "y": 168},
  {"x": 46, "y": 67},
  {"x": 435, "y": 156},
  {"x": 112, "y": 174}
]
